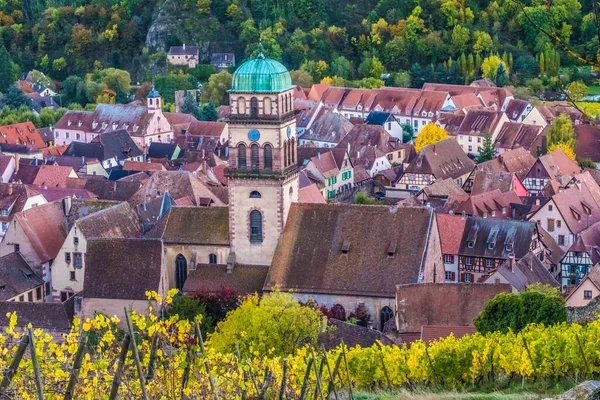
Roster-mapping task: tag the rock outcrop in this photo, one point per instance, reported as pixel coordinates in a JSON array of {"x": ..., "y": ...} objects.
[{"x": 588, "y": 390}]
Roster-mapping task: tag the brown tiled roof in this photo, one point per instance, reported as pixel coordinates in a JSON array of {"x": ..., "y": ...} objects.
[
  {"x": 352, "y": 335},
  {"x": 16, "y": 276},
  {"x": 309, "y": 256},
  {"x": 484, "y": 182},
  {"x": 451, "y": 228},
  {"x": 50, "y": 316},
  {"x": 443, "y": 159},
  {"x": 518, "y": 161},
  {"x": 444, "y": 188},
  {"x": 118, "y": 221},
  {"x": 555, "y": 252},
  {"x": 23, "y": 133},
  {"x": 527, "y": 271},
  {"x": 206, "y": 128},
  {"x": 310, "y": 194},
  {"x": 442, "y": 304},
  {"x": 4, "y": 162},
  {"x": 478, "y": 123},
  {"x": 45, "y": 229},
  {"x": 430, "y": 333},
  {"x": 573, "y": 202},
  {"x": 331, "y": 127},
  {"x": 514, "y": 134},
  {"x": 488, "y": 203},
  {"x": 365, "y": 143},
  {"x": 13, "y": 197},
  {"x": 553, "y": 109},
  {"x": 122, "y": 268},
  {"x": 130, "y": 165},
  {"x": 588, "y": 142},
  {"x": 515, "y": 108},
  {"x": 450, "y": 121},
  {"x": 466, "y": 100},
  {"x": 58, "y": 193},
  {"x": 26, "y": 173},
  {"x": 107, "y": 190},
  {"x": 194, "y": 225},
  {"x": 53, "y": 176},
  {"x": 485, "y": 82},
  {"x": 245, "y": 279},
  {"x": 329, "y": 163},
  {"x": 54, "y": 150},
  {"x": 558, "y": 164}
]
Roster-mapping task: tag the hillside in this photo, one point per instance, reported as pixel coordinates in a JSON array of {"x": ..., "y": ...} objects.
[{"x": 350, "y": 39}]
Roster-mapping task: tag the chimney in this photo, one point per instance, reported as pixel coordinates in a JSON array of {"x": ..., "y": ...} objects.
[
  {"x": 462, "y": 215},
  {"x": 82, "y": 160},
  {"x": 511, "y": 262},
  {"x": 319, "y": 156},
  {"x": 17, "y": 158},
  {"x": 67, "y": 205},
  {"x": 537, "y": 202},
  {"x": 204, "y": 167},
  {"x": 184, "y": 46},
  {"x": 203, "y": 154},
  {"x": 36, "y": 161},
  {"x": 10, "y": 189}
]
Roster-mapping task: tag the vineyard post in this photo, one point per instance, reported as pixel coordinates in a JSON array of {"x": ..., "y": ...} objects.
[
  {"x": 304, "y": 389},
  {"x": 186, "y": 371},
  {"x": 136, "y": 356},
  {"x": 385, "y": 370},
  {"x": 14, "y": 364},
  {"x": 587, "y": 366},
  {"x": 347, "y": 371},
  {"x": 283, "y": 379},
  {"x": 69, "y": 394},
  {"x": 36, "y": 366},
  {"x": 153, "y": 351},
  {"x": 529, "y": 355},
  {"x": 114, "y": 389},
  {"x": 211, "y": 380},
  {"x": 244, "y": 374},
  {"x": 331, "y": 386},
  {"x": 318, "y": 390},
  {"x": 266, "y": 383}
]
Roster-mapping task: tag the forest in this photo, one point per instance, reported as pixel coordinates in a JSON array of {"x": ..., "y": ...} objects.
[{"x": 344, "y": 42}]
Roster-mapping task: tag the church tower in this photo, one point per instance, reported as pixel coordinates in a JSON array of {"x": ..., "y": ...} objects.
[{"x": 263, "y": 172}]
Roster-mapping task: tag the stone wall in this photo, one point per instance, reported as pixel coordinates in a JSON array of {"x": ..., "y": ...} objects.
[{"x": 587, "y": 313}]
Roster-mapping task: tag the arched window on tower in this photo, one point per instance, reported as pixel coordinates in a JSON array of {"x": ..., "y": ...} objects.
[
  {"x": 267, "y": 106},
  {"x": 285, "y": 104},
  {"x": 385, "y": 315},
  {"x": 241, "y": 105},
  {"x": 268, "y": 153},
  {"x": 255, "y": 195},
  {"x": 285, "y": 159},
  {"x": 254, "y": 157},
  {"x": 180, "y": 271},
  {"x": 287, "y": 149},
  {"x": 256, "y": 227},
  {"x": 254, "y": 107},
  {"x": 293, "y": 150},
  {"x": 241, "y": 156}
]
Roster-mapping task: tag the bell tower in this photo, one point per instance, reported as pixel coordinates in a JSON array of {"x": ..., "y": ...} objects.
[{"x": 263, "y": 172}]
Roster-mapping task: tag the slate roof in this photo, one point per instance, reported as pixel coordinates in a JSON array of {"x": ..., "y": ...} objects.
[
  {"x": 331, "y": 127},
  {"x": 44, "y": 227},
  {"x": 244, "y": 279},
  {"x": 445, "y": 159},
  {"x": 116, "y": 144},
  {"x": 309, "y": 256},
  {"x": 588, "y": 142},
  {"x": 76, "y": 163},
  {"x": 481, "y": 231},
  {"x": 111, "y": 264},
  {"x": 194, "y": 225},
  {"x": 160, "y": 150},
  {"x": 515, "y": 108},
  {"x": 26, "y": 173},
  {"x": 117, "y": 221},
  {"x": 50, "y": 316},
  {"x": 16, "y": 276},
  {"x": 527, "y": 271},
  {"x": 53, "y": 176},
  {"x": 378, "y": 118}
]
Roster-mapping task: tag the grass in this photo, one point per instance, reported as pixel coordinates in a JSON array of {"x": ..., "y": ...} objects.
[
  {"x": 423, "y": 395},
  {"x": 593, "y": 90},
  {"x": 590, "y": 108}
]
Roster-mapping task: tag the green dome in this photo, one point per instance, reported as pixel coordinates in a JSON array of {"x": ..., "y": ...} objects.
[{"x": 261, "y": 75}]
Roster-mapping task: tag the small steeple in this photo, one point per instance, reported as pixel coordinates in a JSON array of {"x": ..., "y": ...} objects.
[{"x": 260, "y": 56}]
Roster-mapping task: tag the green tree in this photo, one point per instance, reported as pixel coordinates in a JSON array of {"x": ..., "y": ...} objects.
[
  {"x": 489, "y": 67},
  {"x": 371, "y": 67},
  {"x": 14, "y": 98},
  {"x": 302, "y": 78},
  {"x": 408, "y": 133},
  {"x": 501, "y": 78},
  {"x": 276, "y": 322},
  {"x": 587, "y": 163},
  {"x": 576, "y": 90},
  {"x": 561, "y": 132},
  {"x": 487, "y": 151},
  {"x": 189, "y": 308},
  {"x": 400, "y": 79},
  {"x": 208, "y": 112},
  {"x": 217, "y": 87},
  {"x": 483, "y": 42},
  {"x": 342, "y": 67},
  {"x": 416, "y": 76},
  {"x": 6, "y": 75},
  {"x": 538, "y": 304},
  {"x": 535, "y": 85},
  {"x": 189, "y": 106}
]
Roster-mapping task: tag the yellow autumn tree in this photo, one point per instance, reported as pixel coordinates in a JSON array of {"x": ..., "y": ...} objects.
[
  {"x": 430, "y": 134},
  {"x": 568, "y": 150}
]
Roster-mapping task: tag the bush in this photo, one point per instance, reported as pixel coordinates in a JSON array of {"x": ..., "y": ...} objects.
[
  {"x": 188, "y": 308},
  {"x": 514, "y": 311}
]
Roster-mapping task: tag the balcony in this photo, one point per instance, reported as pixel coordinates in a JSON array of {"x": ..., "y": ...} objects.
[{"x": 261, "y": 173}]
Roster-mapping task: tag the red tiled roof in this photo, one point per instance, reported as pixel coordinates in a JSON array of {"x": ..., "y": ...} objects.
[
  {"x": 142, "y": 166},
  {"x": 588, "y": 142},
  {"x": 450, "y": 228},
  {"x": 45, "y": 229},
  {"x": 53, "y": 176},
  {"x": 430, "y": 333},
  {"x": 22, "y": 133},
  {"x": 310, "y": 194}
]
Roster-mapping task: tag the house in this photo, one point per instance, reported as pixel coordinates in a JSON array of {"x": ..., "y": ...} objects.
[
  {"x": 587, "y": 290},
  {"x": 111, "y": 149},
  {"x": 81, "y": 165},
  {"x": 54, "y": 176},
  {"x": 450, "y": 229},
  {"x": 387, "y": 120},
  {"x": 441, "y": 304},
  {"x": 23, "y": 133},
  {"x": 487, "y": 243},
  {"x": 144, "y": 124},
  {"x": 104, "y": 220},
  {"x": 184, "y": 55},
  {"x": 170, "y": 151},
  {"x": 211, "y": 278},
  {"x": 523, "y": 273},
  {"x": 192, "y": 236},
  {"x": 334, "y": 170},
  {"x": 436, "y": 194},
  {"x": 513, "y": 135},
  {"x": 372, "y": 148},
  {"x": 517, "y": 110},
  {"x": 208, "y": 130},
  {"x": 7, "y": 167},
  {"x": 322, "y": 255},
  {"x": 505, "y": 182},
  {"x": 441, "y": 160},
  {"x": 580, "y": 258},
  {"x": 476, "y": 125},
  {"x": 327, "y": 131},
  {"x": 222, "y": 60},
  {"x": 55, "y": 319},
  {"x": 19, "y": 282},
  {"x": 39, "y": 102},
  {"x": 37, "y": 234},
  {"x": 15, "y": 198},
  {"x": 494, "y": 204},
  {"x": 571, "y": 211},
  {"x": 543, "y": 114},
  {"x": 518, "y": 161},
  {"x": 111, "y": 264},
  {"x": 556, "y": 166},
  {"x": 588, "y": 143}
]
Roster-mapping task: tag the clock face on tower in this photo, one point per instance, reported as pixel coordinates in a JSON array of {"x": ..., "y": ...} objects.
[
  {"x": 253, "y": 135},
  {"x": 289, "y": 132}
]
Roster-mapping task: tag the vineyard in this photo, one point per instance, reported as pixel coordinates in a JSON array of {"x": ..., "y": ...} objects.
[{"x": 157, "y": 358}]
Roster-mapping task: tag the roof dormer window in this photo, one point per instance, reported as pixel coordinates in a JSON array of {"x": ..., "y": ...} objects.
[
  {"x": 135, "y": 128},
  {"x": 470, "y": 244},
  {"x": 69, "y": 123},
  {"x": 115, "y": 126},
  {"x": 490, "y": 246},
  {"x": 509, "y": 247},
  {"x": 586, "y": 208},
  {"x": 94, "y": 124},
  {"x": 104, "y": 125},
  {"x": 79, "y": 123},
  {"x": 346, "y": 247}
]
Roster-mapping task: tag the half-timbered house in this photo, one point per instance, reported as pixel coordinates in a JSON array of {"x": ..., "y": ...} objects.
[{"x": 556, "y": 166}]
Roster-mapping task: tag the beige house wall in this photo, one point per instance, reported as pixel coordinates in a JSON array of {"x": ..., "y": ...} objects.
[
  {"x": 535, "y": 118},
  {"x": 496, "y": 277},
  {"x": 190, "y": 61},
  {"x": 576, "y": 298},
  {"x": 61, "y": 278},
  {"x": 544, "y": 214},
  {"x": 25, "y": 295},
  {"x": 201, "y": 257}
]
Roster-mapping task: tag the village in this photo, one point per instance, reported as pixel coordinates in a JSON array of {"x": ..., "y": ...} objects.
[{"x": 315, "y": 191}]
